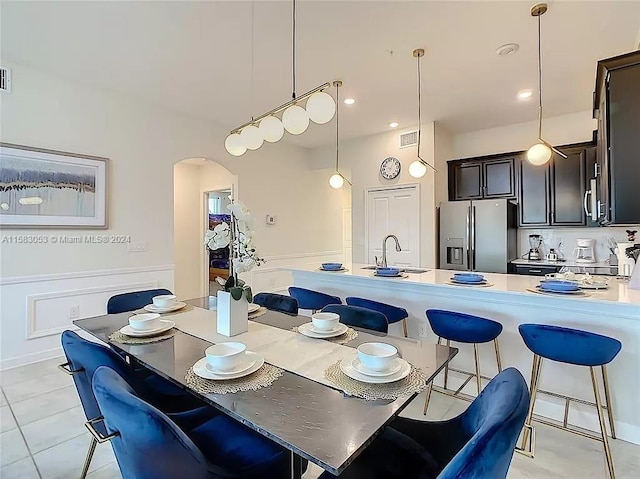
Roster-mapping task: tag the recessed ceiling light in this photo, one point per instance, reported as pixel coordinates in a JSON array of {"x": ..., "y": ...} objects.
[
  {"x": 525, "y": 95},
  {"x": 394, "y": 124},
  {"x": 507, "y": 49},
  {"x": 349, "y": 101}
]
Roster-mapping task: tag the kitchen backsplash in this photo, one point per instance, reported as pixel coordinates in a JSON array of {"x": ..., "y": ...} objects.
[{"x": 566, "y": 238}]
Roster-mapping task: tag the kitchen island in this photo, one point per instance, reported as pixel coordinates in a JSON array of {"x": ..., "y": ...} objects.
[{"x": 509, "y": 300}]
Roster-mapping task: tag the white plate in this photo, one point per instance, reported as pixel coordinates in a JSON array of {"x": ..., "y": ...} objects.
[
  {"x": 594, "y": 286},
  {"x": 155, "y": 309},
  {"x": 361, "y": 368},
  {"x": 250, "y": 361},
  {"x": 307, "y": 329},
  {"x": 200, "y": 369},
  {"x": 134, "y": 333},
  {"x": 253, "y": 307},
  {"x": 347, "y": 368}
]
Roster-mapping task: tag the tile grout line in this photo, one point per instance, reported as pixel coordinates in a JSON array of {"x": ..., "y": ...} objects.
[
  {"x": 24, "y": 439},
  {"x": 37, "y": 395}
]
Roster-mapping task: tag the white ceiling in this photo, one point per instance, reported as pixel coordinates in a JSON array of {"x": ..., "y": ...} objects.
[{"x": 196, "y": 56}]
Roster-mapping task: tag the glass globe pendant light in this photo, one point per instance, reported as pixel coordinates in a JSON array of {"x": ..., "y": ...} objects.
[
  {"x": 418, "y": 168},
  {"x": 540, "y": 153},
  {"x": 336, "y": 181},
  {"x": 271, "y": 129},
  {"x": 321, "y": 107},
  {"x": 234, "y": 145},
  {"x": 251, "y": 137},
  {"x": 295, "y": 120}
]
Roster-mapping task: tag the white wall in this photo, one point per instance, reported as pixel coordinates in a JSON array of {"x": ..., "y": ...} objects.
[
  {"x": 143, "y": 142},
  {"x": 443, "y": 151},
  {"x": 360, "y": 158}
]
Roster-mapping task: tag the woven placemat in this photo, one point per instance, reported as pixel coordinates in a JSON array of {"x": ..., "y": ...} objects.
[
  {"x": 262, "y": 378},
  {"x": 188, "y": 307},
  {"x": 415, "y": 382},
  {"x": 345, "y": 338},
  {"x": 121, "y": 338},
  {"x": 257, "y": 313}
]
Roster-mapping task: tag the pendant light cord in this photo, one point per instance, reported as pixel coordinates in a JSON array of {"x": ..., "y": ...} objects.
[
  {"x": 251, "y": 92},
  {"x": 293, "y": 61},
  {"x": 539, "y": 79},
  {"x": 337, "y": 127},
  {"x": 420, "y": 114}
]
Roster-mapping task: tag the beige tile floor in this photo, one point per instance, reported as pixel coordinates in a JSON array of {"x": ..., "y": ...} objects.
[{"x": 42, "y": 435}]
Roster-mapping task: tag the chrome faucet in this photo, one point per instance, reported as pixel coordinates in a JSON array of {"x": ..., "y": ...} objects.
[{"x": 384, "y": 250}]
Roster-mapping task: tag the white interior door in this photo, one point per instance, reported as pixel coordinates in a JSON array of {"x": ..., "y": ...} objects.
[{"x": 394, "y": 211}]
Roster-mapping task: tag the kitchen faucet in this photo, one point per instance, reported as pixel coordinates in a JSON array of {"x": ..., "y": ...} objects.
[{"x": 384, "y": 250}]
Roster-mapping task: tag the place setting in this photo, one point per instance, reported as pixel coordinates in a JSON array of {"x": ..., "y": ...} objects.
[
  {"x": 389, "y": 272},
  {"x": 559, "y": 287},
  {"x": 327, "y": 326},
  {"x": 229, "y": 367},
  {"x": 585, "y": 281},
  {"x": 469, "y": 279},
  {"x": 144, "y": 328},
  {"x": 333, "y": 268},
  {"x": 376, "y": 371},
  {"x": 165, "y": 303}
]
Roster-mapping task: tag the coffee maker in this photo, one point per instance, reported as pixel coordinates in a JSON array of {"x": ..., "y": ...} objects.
[
  {"x": 535, "y": 253},
  {"x": 584, "y": 252}
]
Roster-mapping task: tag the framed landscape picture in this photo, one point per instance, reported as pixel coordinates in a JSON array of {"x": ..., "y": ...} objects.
[{"x": 44, "y": 188}]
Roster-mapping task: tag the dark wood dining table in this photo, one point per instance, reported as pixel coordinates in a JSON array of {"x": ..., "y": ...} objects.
[{"x": 313, "y": 421}]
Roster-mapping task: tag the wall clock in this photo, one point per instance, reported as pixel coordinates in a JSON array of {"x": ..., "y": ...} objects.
[{"x": 390, "y": 168}]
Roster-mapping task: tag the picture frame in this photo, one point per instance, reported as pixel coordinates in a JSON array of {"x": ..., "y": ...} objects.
[{"x": 42, "y": 188}]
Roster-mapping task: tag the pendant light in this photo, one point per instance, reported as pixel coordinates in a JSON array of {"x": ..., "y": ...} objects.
[
  {"x": 418, "y": 168},
  {"x": 541, "y": 152},
  {"x": 320, "y": 108},
  {"x": 337, "y": 180}
]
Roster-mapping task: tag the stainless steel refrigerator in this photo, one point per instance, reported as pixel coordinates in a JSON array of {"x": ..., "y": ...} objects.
[{"x": 478, "y": 235}]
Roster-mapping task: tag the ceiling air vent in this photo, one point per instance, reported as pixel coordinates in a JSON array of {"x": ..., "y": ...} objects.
[
  {"x": 409, "y": 138},
  {"x": 5, "y": 79}
]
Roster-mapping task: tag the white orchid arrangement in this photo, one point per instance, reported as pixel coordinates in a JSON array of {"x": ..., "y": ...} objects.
[{"x": 238, "y": 235}]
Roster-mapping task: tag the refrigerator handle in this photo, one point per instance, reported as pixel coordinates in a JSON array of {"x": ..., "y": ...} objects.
[
  {"x": 473, "y": 239},
  {"x": 468, "y": 238}
]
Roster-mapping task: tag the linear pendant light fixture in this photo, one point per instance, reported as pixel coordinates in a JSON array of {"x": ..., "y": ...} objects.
[
  {"x": 418, "y": 168},
  {"x": 320, "y": 108},
  {"x": 337, "y": 179},
  {"x": 540, "y": 153}
]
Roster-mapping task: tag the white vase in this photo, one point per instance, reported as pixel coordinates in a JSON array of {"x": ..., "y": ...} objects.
[{"x": 233, "y": 315}]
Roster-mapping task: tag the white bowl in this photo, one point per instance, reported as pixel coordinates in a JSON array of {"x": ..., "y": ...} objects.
[
  {"x": 225, "y": 356},
  {"x": 145, "y": 322},
  {"x": 164, "y": 300},
  {"x": 325, "y": 321},
  {"x": 377, "y": 356}
]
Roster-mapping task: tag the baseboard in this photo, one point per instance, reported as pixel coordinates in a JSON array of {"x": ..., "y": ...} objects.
[{"x": 26, "y": 359}]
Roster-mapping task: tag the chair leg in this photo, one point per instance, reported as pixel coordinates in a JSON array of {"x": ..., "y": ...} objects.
[
  {"x": 607, "y": 396},
  {"x": 429, "y": 389},
  {"x": 404, "y": 327},
  {"x": 478, "y": 378},
  {"x": 498, "y": 359},
  {"x": 446, "y": 368},
  {"x": 533, "y": 389},
  {"x": 603, "y": 429},
  {"x": 87, "y": 461}
]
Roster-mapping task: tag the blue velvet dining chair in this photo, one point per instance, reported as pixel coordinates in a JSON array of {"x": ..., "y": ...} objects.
[
  {"x": 359, "y": 317},
  {"x": 277, "y": 302},
  {"x": 149, "y": 445},
  {"x": 478, "y": 444},
  {"x": 394, "y": 314},
  {"x": 84, "y": 357},
  {"x": 121, "y": 303},
  {"x": 313, "y": 300}
]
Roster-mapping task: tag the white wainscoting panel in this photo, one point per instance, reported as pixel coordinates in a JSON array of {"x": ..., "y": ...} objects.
[{"x": 34, "y": 310}]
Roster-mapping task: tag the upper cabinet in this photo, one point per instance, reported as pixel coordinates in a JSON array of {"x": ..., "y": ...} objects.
[
  {"x": 617, "y": 108},
  {"x": 482, "y": 178}
]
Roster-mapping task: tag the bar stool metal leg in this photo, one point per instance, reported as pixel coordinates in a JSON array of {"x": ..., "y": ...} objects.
[
  {"x": 533, "y": 389},
  {"x": 607, "y": 397},
  {"x": 87, "y": 461},
  {"x": 603, "y": 429},
  {"x": 478, "y": 378},
  {"x": 446, "y": 368},
  {"x": 404, "y": 327},
  {"x": 429, "y": 389},
  {"x": 498, "y": 359}
]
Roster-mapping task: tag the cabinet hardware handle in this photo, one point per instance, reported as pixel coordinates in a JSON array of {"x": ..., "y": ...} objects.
[{"x": 535, "y": 271}]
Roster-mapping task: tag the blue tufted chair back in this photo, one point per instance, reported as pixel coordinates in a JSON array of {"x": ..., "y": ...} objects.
[
  {"x": 121, "y": 303},
  {"x": 359, "y": 317},
  {"x": 277, "y": 302}
]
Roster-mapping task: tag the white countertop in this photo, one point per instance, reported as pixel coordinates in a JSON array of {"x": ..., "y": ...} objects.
[
  {"x": 570, "y": 263},
  {"x": 618, "y": 292}
]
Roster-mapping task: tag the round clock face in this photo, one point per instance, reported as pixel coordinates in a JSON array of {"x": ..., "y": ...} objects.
[{"x": 390, "y": 168}]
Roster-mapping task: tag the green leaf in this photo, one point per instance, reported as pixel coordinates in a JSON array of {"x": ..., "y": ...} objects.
[
  {"x": 248, "y": 293},
  {"x": 236, "y": 292},
  {"x": 230, "y": 283}
]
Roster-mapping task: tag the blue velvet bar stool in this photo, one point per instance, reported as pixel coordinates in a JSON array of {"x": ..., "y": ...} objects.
[
  {"x": 394, "y": 314},
  {"x": 478, "y": 444},
  {"x": 277, "y": 302},
  {"x": 580, "y": 348},
  {"x": 313, "y": 300},
  {"x": 121, "y": 303},
  {"x": 463, "y": 328},
  {"x": 150, "y": 445},
  {"x": 359, "y": 317}
]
